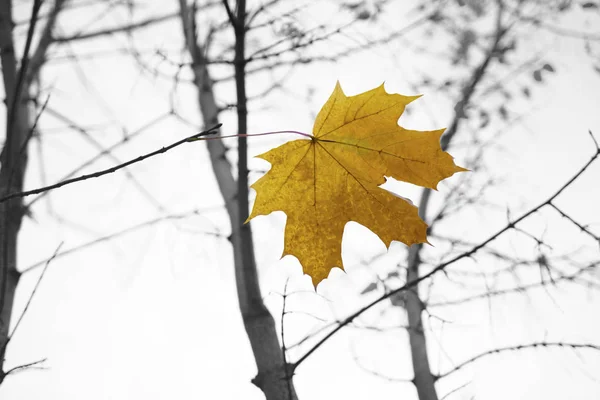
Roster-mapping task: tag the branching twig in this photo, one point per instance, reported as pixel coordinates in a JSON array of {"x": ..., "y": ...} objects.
[
  {"x": 520, "y": 347},
  {"x": 232, "y": 19},
  {"x": 443, "y": 265},
  {"x": 518, "y": 289},
  {"x": 583, "y": 228},
  {"x": 20, "y": 368}
]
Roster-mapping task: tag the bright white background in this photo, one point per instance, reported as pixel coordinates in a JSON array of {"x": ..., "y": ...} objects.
[{"x": 153, "y": 314}]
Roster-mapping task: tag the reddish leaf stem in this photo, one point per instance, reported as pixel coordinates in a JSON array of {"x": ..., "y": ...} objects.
[{"x": 194, "y": 138}]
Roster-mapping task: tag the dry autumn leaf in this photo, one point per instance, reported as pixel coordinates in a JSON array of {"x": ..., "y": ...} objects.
[{"x": 333, "y": 178}]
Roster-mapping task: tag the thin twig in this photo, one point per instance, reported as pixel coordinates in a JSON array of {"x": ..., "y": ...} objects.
[
  {"x": 35, "y": 288},
  {"x": 97, "y": 174},
  {"x": 88, "y": 137},
  {"x": 108, "y": 151},
  {"x": 517, "y": 289},
  {"x": 520, "y": 347},
  {"x": 22, "y": 367},
  {"x": 118, "y": 234},
  {"x": 455, "y": 390},
  {"x": 583, "y": 228},
  {"x": 283, "y": 349}
]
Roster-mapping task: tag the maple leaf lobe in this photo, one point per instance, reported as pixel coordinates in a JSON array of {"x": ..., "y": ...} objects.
[{"x": 324, "y": 183}]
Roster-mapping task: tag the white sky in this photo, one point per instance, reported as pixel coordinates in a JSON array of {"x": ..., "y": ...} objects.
[{"x": 153, "y": 314}]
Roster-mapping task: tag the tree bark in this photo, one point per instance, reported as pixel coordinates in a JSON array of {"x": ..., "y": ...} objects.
[
  {"x": 12, "y": 171},
  {"x": 423, "y": 380},
  {"x": 14, "y": 153},
  {"x": 259, "y": 324}
]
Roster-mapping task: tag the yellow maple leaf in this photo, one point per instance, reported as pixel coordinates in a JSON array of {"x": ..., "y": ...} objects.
[{"x": 333, "y": 178}]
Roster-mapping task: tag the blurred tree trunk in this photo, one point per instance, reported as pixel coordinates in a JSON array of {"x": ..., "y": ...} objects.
[
  {"x": 17, "y": 83},
  {"x": 424, "y": 380},
  {"x": 272, "y": 377}
]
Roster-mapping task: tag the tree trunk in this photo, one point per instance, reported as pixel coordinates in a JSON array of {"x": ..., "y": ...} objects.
[
  {"x": 423, "y": 380},
  {"x": 14, "y": 153},
  {"x": 14, "y": 162},
  {"x": 260, "y": 327}
]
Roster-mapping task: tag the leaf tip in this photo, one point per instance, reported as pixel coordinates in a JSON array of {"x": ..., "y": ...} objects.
[
  {"x": 315, "y": 282},
  {"x": 338, "y": 88},
  {"x": 406, "y": 99},
  {"x": 413, "y": 98}
]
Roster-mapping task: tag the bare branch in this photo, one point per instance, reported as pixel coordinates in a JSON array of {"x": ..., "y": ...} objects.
[
  {"x": 519, "y": 289},
  {"x": 520, "y": 347},
  {"x": 92, "y": 140},
  {"x": 127, "y": 138},
  {"x": 35, "y": 288},
  {"x": 583, "y": 228},
  {"x": 20, "y": 368},
  {"x": 39, "y": 56},
  {"x": 232, "y": 19},
  {"x": 98, "y": 174}
]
